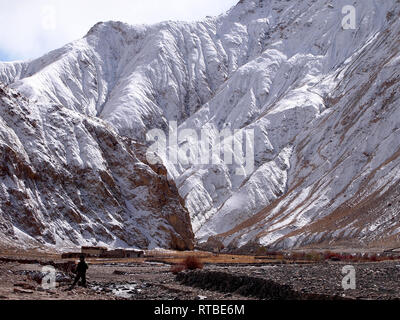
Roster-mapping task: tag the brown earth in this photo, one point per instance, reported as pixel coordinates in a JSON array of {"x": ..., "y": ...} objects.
[{"x": 150, "y": 278}]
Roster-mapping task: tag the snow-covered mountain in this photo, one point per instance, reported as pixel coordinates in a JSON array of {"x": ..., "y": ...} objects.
[
  {"x": 68, "y": 179},
  {"x": 321, "y": 100}
]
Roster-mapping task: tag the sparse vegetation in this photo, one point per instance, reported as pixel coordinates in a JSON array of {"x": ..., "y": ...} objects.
[
  {"x": 189, "y": 263},
  {"x": 192, "y": 263},
  {"x": 269, "y": 257},
  {"x": 314, "y": 256},
  {"x": 177, "y": 268},
  {"x": 336, "y": 256},
  {"x": 261, "y": 251}
]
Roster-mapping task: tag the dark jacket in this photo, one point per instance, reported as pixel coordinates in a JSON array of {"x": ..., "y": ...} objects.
[{"x": 82, "y": 267}]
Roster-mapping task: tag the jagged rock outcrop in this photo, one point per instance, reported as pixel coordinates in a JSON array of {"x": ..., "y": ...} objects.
[{"x": 68, "y": 179}]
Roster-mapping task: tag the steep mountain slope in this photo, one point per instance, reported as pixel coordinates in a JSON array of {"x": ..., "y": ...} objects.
[
  {"x": 67, "y": 179},
  {"x": 345, "y": 169},
  {"x": 320, "y": 99}
]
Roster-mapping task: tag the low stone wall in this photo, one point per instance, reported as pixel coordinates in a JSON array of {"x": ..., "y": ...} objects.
[
  {"x": 67, "y": 267},
  {"x": 247, "y": 286}
]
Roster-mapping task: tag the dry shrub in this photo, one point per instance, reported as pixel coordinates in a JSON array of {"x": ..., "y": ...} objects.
[
  {"x": 261, "y": 251},
  {"x": 329, "y": 255},
  {"x": 348, "y": 257},
  {"x": 177, "y": 268},
  {"x": 192, "y": 263},
  {"x": 374, "y": 258},
  {"x": 314, "y": 256},
  {"x": 274, "y": 253},
  {"x": 295, "y": 256}
]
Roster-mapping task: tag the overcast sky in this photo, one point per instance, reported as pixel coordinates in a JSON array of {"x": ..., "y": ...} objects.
[{"x": 30, "y": 28}]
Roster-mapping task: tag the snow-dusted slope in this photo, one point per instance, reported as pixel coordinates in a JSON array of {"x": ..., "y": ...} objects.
[
  {"x": 320, "y": 99},
  {"x": 345, "y": 168},
  {"x": 67, "y": 179}
]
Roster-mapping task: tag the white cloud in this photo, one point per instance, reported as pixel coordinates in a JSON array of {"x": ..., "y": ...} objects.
[{"x": 32, "y": 28}]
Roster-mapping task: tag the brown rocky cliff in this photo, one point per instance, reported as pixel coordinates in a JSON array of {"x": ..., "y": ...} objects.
[{"x": 67, "y": 179}]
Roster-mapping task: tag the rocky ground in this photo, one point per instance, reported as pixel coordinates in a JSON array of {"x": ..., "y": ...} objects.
[
  {"x": 143, "y": 281},
  {"x": 378, "y": 281},
  {"x": 154, "y": 281}
]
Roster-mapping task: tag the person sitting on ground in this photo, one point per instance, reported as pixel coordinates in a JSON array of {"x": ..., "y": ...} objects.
[{"x": 80, "y": 272}]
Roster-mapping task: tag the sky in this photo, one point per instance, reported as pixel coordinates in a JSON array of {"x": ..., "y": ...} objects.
[{"x": 31, "y": 28}]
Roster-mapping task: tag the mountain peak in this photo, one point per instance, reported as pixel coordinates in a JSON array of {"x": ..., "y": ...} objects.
[{"x": 285, "y": 70}]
